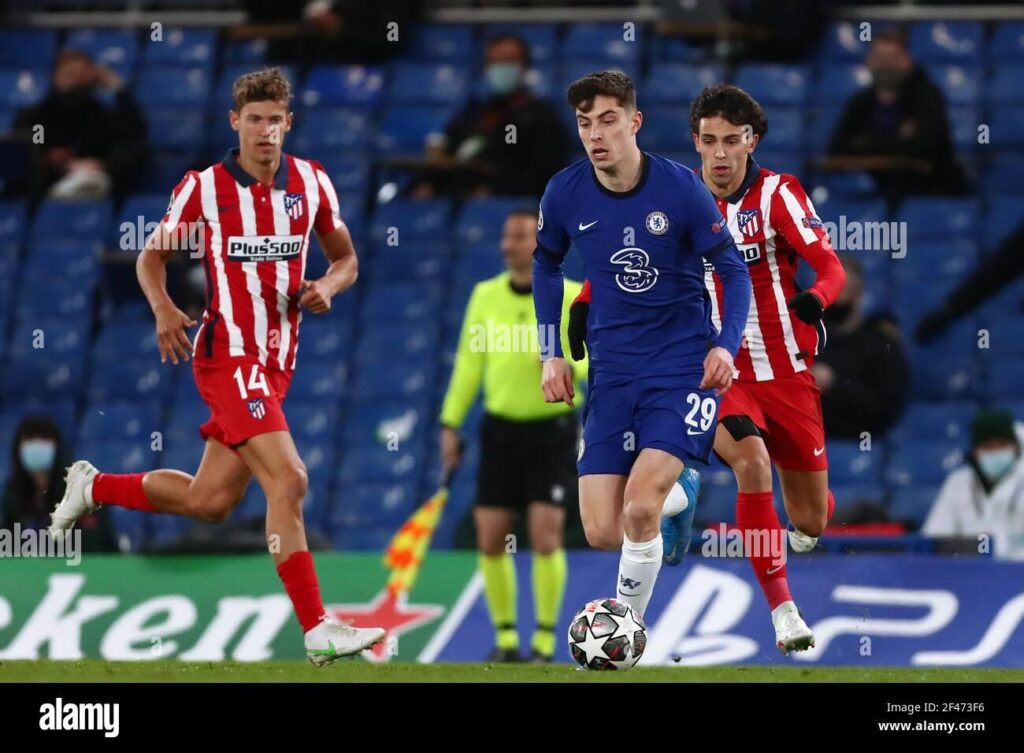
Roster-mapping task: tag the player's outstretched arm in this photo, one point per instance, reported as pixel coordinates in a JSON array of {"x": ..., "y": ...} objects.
[
  {"x": 171, "y": 322},
  {"x": 339, "y": 277}
]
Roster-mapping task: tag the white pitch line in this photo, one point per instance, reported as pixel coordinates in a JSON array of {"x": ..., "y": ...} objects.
[{"x": 451, "y": 623}]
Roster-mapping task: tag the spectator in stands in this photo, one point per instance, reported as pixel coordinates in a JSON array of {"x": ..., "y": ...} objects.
[
  {"x": 527, "y": 446},
  {"x": 36, "y": 485},
  {"x": 515, "y": 162},
  {"x": 992, "y": 275},
  {"x": 900, "y": 123},
  {"x": 986, "y": 495},
  {"x": 84, "y": 149},
  {"x": 861, "y": 370}
]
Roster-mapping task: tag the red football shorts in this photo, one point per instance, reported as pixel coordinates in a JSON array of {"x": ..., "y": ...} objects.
[
  {"x": 788, "y": 412},
  {"x": 244, "y": 398}
]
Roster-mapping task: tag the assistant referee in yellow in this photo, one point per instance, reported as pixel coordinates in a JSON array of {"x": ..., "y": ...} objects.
[{"x": 528, "y": 447}]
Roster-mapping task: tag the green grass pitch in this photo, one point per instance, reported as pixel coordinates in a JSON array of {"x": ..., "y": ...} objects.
[{"x": 360, "y": 671}]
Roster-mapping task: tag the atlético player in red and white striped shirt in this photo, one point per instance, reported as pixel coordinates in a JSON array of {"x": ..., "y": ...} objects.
[
  {"x": 253, "y": 214},
  {"x": 772, "y": 412}
]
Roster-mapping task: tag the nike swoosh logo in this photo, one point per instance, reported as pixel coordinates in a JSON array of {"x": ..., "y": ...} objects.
[
  {"x": 692, "y": 433},
  {"x": 773, "y": 570},
  {"x": 818, "y": 452},
  {"x": 584, "y": 227},
  {"x": 623, "y": 593}
]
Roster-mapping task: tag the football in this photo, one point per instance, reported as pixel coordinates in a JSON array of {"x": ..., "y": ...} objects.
[{"x": 607, "y": 634}]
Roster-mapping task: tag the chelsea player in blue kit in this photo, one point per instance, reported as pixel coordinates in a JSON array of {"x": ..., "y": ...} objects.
[{"x": 644, "y": 225}]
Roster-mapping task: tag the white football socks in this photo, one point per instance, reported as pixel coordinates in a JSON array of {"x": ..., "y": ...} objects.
[
  {"x": 675, "y": 502},
  {"x": 638, "y": 570}
]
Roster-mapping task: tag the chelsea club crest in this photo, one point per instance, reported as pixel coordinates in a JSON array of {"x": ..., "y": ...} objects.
[{"x": 657, "y": 223}]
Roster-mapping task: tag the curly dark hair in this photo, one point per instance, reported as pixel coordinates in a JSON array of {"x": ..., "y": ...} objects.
[
  {"x": 581, "y": 93},
  {"x": 730, "y": 103}
]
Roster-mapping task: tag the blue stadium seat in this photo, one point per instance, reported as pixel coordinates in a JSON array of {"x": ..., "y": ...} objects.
[
  {"x": 413, "y": 380},
  {"x": 319, "y": 458},
  {"x": 166, "y": 168},
  {"x": 69, "y": 258},
  {"x": 117, "y": 456},
  {"x": 917, "y": 463},
  {"x": 129, "y": 528},
  {"x": 84, "y": 220},
  {"x": 601, "y": 42},
  {"x": 22, "y": 88},
  {"x": 674, "y": 50},
  {"x": 841, "y": 43},
  {"x": 414, "y": 220},
  {"x": 319, "y": 379},
  {"x": 174, "y": 128},
  {"x": 665, "y": 129},
  {"x": 837, "y": 83},
  {"x": 786, "y": 129},
  {"x": 13, "y": 222},
  {"x": 923, "y": 420},
  {"x": 60, "y": 408},
  {"x": 937, "y": 260},
  {"x": 1002, "y": 178},
  {"x": 1007, "y": 42},
  {"x": 49, "y": 335},
  {"x": 313, "y": 420},
  {"x": 348, "y": 171},
  {"x": 362, "y": 538},
  {"x": 184, "y": 450},
  {"x": 28, "y": 48},
  {"x": 410, "y": 261},
  {"x": 477, "y": 262},
  {"x": 376, "y": 463},
  {"x": 679, "y": 83},
  {"x": 849, "y": 464},
  {"x": 249, "y": 52},
  {"x": 785, "y": 161},
  {"x": 451, "y": 43},
  {"x": 482, "y": 220},
  {"x": 939, "y": 218},
  {"x": 401, "y": 301},
  {"x": 963, "y": 124},
  {"x": 384, "y": 420},
  {"x": 940, "y": 376},
  {"x": 775, "y": 84},
  {"x": 1005, "y": 132},
  {"x": 960, "y": 83},
  {"x": 325, "y": 339},
  {"x": 390, "y": 341},
  {"x": 115, "y": 48},
  {"x": 404, "y": 130},
  {"x": 40, "y": 298},
  {"x": 125, "y": 337},
  {"x": 137, "y": 378},
  {"x": 717, "y": 505},
  {"x": 848, "y": 494},
  {"x": 912, "y": 505},
  {"x": 1005, "y": 380},
  {"x": 330, "y": 128},
  {"x": 172, "y": 86},
  {"x": 121, "y": 419},
  {"x": 373, "y": 504},
  {"x": 1006, "y": 86},
  {"x": 352, "y": 85},
  {"x": 143, "y": 210},
  {"x": 960, "y": 41},
  {"x": 192, "y": 47}
]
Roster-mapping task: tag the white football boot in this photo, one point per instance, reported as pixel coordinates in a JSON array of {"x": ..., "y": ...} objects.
[
  {"x": 801, "y": 542},
  {"x": 331, "y": 640},
  {"x": 791, "y": 632},
  {"x": 77, "y": 499}
]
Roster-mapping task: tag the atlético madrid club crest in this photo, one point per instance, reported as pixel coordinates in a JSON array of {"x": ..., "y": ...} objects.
[
  {"x": 256, "y": 408},
  {"x": 293, "y": 205},
  {"x": 749, "y": 222}
]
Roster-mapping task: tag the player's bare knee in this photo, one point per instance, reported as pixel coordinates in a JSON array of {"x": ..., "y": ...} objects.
[
  {"x": 604, "y": 538},
  {"x": 753, "y": 470},
  {"x": 291, "y": 485}
]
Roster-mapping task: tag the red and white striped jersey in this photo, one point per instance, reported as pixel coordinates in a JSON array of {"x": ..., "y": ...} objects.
[
  {"x": 255, "y": 238},
  {"x": 773, "y": 223}
]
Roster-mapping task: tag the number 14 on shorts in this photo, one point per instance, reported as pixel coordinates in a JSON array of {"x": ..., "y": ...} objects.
[{"x": 257, "y": 381}]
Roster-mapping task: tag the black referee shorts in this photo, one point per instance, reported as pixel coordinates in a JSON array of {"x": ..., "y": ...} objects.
[{"x": 527, "y": 461}]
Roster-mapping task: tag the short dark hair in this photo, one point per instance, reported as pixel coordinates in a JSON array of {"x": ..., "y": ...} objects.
[
  {"x": 730, "y": 103},
  {"x": 524, "y": 48},
  {"x": 581, "y": 93},
  {"x": 895, "y": 34},
  {"x": 528, "y": 211}
]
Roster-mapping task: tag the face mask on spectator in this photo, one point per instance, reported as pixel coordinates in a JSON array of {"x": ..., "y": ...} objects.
[
  {"x": 503, "y": 78},
  {"x": 37, "y": 455},
  {"x": 888, "y": 78},
  {"x": 995, "y": 463}
]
